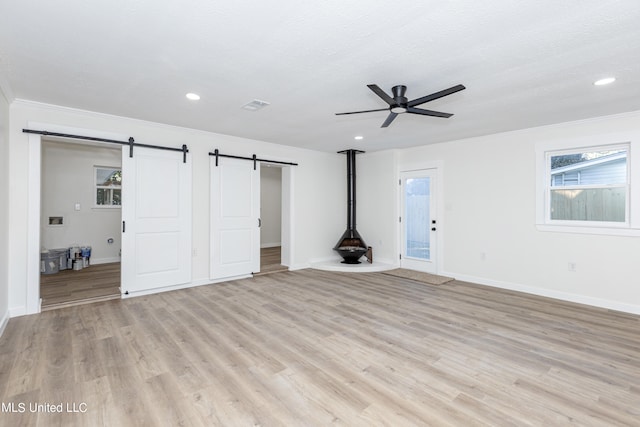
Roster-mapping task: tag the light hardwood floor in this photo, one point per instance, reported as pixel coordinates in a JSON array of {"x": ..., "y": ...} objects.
[
  {"x": 270, "y": 260},
  {"x": 70, "y": 287},
  {"x": 312, "y": 348}
]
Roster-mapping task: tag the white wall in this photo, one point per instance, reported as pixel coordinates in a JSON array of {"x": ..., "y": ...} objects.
[
  {"x": 318, "y": 192},
  {"x": 4, "y": 211},
  {"x": 490, "y": 208},
  {"x": 68, "y": 179},
  {"x": 376, "y": 207},
  {"x": 270, "y": 206}
]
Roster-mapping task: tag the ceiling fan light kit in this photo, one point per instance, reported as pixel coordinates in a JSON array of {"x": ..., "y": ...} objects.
[{"x": 399, "y": 103}]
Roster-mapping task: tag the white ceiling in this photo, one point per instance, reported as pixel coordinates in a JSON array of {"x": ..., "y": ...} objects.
[{"x": 524, "y": 63}]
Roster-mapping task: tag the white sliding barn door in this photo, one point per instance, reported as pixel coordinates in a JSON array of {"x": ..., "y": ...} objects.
[
  {"x": 156, "y": 214},
  {"x": 235, "y": 212}
]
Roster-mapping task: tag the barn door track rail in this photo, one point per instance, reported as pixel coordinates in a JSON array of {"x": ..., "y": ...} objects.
[
  {"x": 184, "y": 150},
  {"x": 253, "y": 158}
]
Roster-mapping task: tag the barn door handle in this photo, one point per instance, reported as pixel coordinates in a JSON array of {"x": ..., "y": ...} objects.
[
  {"x": 123, "y": 226},
  {"x": 259, "y": 222}
]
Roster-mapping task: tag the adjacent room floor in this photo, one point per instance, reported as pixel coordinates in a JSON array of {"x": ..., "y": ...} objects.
[
  {"x": 102, "y": 282},
  {"x": 270, "y": 260},
  {"x": 69, "y": 287},
  {"x": 317, "y": 348}
]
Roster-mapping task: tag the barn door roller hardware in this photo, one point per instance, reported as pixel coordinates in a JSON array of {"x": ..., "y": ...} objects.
[
  {"x": 253, "y": 158},
  {"x": 184, "y": 150}
]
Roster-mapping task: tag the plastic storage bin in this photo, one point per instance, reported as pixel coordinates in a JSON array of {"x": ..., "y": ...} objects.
[
  {"x": 63, "y": 254},
  {"x": 49, "y": 262}
]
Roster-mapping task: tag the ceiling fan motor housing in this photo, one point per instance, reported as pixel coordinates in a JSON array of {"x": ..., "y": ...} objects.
[
  {"x": 400, "y": 100},
  {"x": 398, "y": 94}
]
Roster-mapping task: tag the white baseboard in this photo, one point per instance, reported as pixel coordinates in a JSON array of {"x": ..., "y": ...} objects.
[
  {"x": 563, "y": 296},
  {"x": 270, "y": 245},
  {"x": 4, "y": 322}
]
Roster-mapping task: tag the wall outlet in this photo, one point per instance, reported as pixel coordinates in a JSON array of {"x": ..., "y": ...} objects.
[
  {"x": 77, "y": 206},
  {"x": 571, "y": 266}
]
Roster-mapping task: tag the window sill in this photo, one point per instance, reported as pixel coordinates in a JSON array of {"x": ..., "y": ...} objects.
[{"x": 603, "y": 231}]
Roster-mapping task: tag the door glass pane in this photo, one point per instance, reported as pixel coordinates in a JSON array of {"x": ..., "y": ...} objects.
[{"x": 417, "y": 218}]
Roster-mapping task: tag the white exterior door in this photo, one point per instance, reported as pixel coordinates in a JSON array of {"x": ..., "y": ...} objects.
[
  {"x": 418, "y": 224},
  {"x": 156, "y": 214},
  {"x": 235, "y": 218}
]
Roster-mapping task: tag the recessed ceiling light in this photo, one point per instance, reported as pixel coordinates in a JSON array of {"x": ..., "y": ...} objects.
[
  {"x": 359, "y": 137},
  {"x": 193, "y": 96},
  {"x": 605, "y": 81}
]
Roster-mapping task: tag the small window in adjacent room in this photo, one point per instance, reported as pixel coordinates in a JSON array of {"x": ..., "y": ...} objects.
[{"x": 108, "y": 185}]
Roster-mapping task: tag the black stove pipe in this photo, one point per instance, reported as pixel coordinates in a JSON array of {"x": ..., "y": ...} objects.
[
  {"x": 351, "y": 246},
  {"x": 351, "y": 188}
]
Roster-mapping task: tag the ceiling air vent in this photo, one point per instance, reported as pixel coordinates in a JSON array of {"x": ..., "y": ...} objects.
[{"x": 255, "y": 105}]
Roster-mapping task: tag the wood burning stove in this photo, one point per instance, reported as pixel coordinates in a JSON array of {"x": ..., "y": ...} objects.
[{"x": 351, "y": 245}]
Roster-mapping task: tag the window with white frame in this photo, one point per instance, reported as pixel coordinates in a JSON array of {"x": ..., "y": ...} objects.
[
  {"x": 108, "y": 186},
  {"x": 588, "y": 188},
  {"x": 588, "y": 185}
]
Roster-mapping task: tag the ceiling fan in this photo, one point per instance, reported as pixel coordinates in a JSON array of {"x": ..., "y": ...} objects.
[{"x": 400, "y": 104}]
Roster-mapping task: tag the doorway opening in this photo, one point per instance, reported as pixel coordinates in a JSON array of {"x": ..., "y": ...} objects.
[
  {"x": 271, "y": 224},
  {"x": 236, "y": 223},
  {"x": 80, "y": 216}
]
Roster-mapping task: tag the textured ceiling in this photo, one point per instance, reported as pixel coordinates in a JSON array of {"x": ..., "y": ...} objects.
[{"x": 524, "y": 63}]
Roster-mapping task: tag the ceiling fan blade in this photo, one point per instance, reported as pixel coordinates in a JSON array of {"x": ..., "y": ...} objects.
[
  {"x": 365, "y": 111},
  {"x": 389, "y": 100},
  {"x": 435, "y": 95},
  {"x": 390, "y": 118},
  {"x": 424, "y": 112}
]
